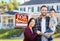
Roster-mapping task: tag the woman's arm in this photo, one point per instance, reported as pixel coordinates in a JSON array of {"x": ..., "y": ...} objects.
[{"x": 29, "y": 35}]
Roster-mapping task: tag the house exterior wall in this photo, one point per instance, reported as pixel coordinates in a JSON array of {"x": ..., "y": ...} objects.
[{"x": 36, "y": 8}]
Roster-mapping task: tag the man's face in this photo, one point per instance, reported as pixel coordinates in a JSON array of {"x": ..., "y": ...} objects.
[{"x": 43, "y": 11}]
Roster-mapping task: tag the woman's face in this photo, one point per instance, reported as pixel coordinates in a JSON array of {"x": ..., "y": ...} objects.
[{"x": 32, "y": 23}]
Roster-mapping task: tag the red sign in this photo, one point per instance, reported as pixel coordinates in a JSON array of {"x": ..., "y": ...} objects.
[{"x": 21, "y": 19}]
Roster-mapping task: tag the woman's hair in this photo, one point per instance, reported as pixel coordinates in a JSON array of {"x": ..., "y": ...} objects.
[{"x": 30, "y": 20}]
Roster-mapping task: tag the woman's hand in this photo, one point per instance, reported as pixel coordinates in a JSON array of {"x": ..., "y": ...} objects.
[{"x": 38, "y": 32}]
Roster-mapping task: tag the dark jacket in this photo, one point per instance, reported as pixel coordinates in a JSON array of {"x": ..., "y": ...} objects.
[
  {"x": 28, "y": 35},
  {"x": 38, "y": 26}
]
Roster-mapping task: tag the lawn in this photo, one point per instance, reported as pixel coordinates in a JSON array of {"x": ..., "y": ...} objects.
[
  {"x": 57, "y": 39},
  {"x": 7, "y": 34},
  {"x": 57, "y": 34},
  {"x": 10, "y": 40},
  {"x": 22, "y": 40}
]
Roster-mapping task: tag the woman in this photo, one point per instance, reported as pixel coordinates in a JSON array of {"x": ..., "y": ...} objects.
[{"x": 28, "y": 32}]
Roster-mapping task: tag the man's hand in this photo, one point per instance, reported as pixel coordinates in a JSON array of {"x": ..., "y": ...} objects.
[
  {"x": 47, "y": 35},
  {"x": 50, "y": 26}
]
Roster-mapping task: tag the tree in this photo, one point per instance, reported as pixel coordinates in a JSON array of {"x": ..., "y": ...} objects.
[
  {"x": 15, "y": 3},
  {"x": 10, "y": 7},
  {"x": 2, "y": 2}
]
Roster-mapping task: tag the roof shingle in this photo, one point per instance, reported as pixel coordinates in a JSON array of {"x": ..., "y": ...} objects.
[{"x": 32, "y": 2}]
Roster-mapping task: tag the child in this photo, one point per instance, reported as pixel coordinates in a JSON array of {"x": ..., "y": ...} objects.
[
  {"x": 52, "y": 24},
  {"x": 53, "y": 20}
]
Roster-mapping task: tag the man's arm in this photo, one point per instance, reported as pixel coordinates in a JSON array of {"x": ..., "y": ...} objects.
[{"x": 47, "y": 35}]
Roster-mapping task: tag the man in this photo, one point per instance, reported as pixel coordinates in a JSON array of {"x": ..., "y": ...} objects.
[{"x": 42, "y": 23}]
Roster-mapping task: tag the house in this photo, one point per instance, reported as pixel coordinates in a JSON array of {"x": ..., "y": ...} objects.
[
  {"x": 7, "y": 20},
  {"x": 33, "y": 7}
]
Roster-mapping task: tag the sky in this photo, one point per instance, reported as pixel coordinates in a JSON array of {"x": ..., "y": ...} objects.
[{"x": 21, "y": 1}]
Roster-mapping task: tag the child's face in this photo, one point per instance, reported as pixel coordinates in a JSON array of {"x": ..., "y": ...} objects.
[{"x": 52, "y": 13}]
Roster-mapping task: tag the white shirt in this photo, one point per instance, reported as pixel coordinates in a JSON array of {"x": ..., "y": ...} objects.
[
  {"x": 43, "y": 28},
  {"x": 53, "y": 22}
]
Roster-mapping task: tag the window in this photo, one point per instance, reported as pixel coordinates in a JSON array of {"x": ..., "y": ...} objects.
[
  {"x": 22, "y": 9},
  {"x": 49, "y": 7},
  {"x": 35, "y": 9},
  {"x": 4, "y": 20},
  {"x": 55, "y": 7},
  {"x": 29, "y": 9},
  {"x": 32, "y": 9},
  {"x": 38, "y": 9},
  {"x": 58, "y": 8},
  {"x": 10, "y": 22}
]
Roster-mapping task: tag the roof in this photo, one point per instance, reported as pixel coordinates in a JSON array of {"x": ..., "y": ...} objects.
[
  {"x": 11, "y": 13},
  {"x": 32, "y": 2}
]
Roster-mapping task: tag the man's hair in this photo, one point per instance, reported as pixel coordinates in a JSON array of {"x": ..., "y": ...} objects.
[
  {"x": 43, "y": 6},
  {"x": 52, "y": 10}
]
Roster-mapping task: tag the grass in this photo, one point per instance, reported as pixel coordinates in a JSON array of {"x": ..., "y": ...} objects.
[
  {"x": 7, "y": 34},
  {"x": 11, "y": 40},
  {"x": 57, "y": 39},
  {"x": 22, "y": 40},
  {"x": 57, "y": 34}
]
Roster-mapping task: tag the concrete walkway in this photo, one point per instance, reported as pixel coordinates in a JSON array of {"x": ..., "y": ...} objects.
[{"x": 22, "y": 36}]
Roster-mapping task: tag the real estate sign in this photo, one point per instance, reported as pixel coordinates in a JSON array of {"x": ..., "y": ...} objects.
[{"x": 21, "y": 19}]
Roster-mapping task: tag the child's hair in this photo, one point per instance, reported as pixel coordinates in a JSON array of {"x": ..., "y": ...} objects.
[
  {"x": 52, "y": 10},
  {"x": 30, "y": 20}
]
